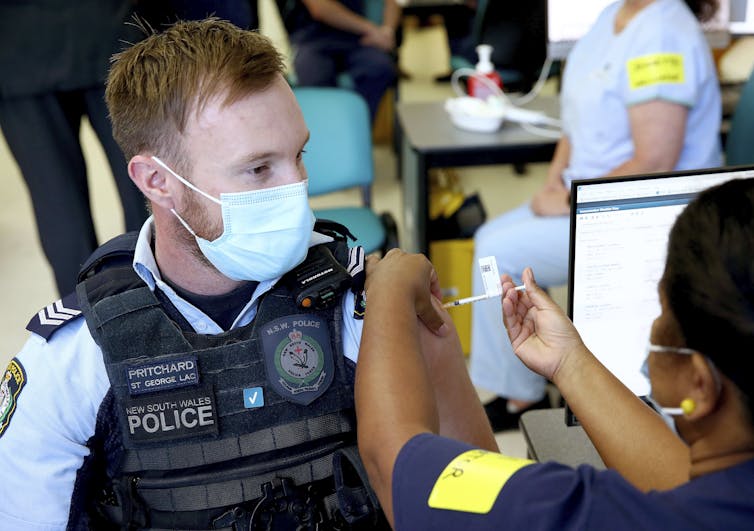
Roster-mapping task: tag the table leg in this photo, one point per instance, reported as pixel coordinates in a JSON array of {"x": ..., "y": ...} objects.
[{"x": 415, "y": 200}]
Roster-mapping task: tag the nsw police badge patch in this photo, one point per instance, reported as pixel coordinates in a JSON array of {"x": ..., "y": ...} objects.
[
  {"x": 13, "y": 381},
  {"x": 298, "y": 357}
]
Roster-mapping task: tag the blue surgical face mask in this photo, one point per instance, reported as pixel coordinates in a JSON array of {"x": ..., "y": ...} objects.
[{"x": 265, "y": 232}]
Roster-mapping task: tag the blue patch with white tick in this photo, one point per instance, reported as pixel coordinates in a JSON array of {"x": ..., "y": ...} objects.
[{"x": 253, "y": 397}]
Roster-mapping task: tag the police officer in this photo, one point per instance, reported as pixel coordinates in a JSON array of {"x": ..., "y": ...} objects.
[
  {"x": 186, "y": 385},
  {"x": 699, "y": 365}
]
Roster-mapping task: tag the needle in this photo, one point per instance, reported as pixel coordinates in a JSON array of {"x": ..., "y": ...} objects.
[{"x": 476, "y": 298}]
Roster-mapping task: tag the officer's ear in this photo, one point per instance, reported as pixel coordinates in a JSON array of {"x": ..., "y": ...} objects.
[{"x": 151, "y": 179}]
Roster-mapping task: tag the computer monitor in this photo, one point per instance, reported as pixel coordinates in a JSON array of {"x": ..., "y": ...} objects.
[
  {"x": 566, "y": 24},
  {"x": 741, "y": 17},
  {"x": 717, "y": 29},
  {"x": 618, "y": 241}
]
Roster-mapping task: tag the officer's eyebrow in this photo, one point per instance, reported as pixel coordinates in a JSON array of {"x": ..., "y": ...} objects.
[{"x": 253, "y": 157}]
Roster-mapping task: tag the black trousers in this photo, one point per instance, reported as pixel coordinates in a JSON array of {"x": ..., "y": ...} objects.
[{"x": 42, "y": 132}]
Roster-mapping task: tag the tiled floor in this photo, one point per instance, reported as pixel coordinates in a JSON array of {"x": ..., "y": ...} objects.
[{"x": 25, "y": 279}]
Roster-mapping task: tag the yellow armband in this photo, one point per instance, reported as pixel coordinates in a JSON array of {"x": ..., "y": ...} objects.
[
  {"x": 654, "y": 69},
  {"x": 472, "y": 481}
]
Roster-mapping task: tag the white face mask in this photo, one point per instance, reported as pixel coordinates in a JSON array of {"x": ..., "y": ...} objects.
[
  {"x": 667, "y": 413},
  {"x": 265, "y": 232}
]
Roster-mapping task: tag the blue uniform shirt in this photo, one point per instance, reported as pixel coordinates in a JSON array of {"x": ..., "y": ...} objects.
[
  {"x": 57, "y": 387},
  {"x": 522, "y": 495},
  {"x": 661, "y": 54}
]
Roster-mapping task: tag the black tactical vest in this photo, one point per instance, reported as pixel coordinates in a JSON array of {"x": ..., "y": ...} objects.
[{"x": 250, "y": 429}]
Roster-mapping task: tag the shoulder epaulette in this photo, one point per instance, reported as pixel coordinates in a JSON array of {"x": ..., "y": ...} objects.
[{"x": 53, "y": 316}]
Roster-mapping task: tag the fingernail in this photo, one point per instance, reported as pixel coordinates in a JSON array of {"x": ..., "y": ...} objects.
[{"x": 444, "y": 329}]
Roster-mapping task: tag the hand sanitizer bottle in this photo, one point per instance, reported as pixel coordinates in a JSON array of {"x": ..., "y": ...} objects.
[{"x": 485, "y": 68}]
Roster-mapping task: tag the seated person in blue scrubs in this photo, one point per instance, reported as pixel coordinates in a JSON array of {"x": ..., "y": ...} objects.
[
  {"x": 640, "y": 94},
  {"x": 700, "y": 367}
]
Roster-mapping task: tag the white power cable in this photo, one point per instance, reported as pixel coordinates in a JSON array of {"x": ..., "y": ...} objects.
[
  {"x": 541, "y": 131},
  {"x": 534, "y": 122},
  {"x": 537, "y": 88}
]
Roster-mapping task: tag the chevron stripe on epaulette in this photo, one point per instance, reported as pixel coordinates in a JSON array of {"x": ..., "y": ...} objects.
[{"x": 54, "y": 316}]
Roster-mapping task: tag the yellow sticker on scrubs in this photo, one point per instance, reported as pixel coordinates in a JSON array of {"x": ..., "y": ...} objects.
[
  {"x": 655, "y": 69},
  {"x": 473, "y": 480}
]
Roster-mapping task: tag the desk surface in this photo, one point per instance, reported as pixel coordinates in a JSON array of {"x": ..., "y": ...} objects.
[
  {"x": 549, "y": 439},
  {"x": 429, "y": 140},
  {"x": 429, "y": 129}
]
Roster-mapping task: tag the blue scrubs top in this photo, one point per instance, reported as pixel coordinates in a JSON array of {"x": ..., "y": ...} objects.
[{"x": 661, "y": 54}]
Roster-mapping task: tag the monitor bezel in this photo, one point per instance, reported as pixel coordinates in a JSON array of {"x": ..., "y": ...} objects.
[
  {"x": 627, "y": 178},
  {"x": 717, "y": 38},
  {"x": 570, "y": 418}
]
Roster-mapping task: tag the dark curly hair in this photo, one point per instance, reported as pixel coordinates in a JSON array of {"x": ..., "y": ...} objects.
[{"x": 703, "y": 9}]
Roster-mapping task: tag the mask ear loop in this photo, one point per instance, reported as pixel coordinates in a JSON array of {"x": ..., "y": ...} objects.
[
  {"x": 184, "y": 181},
  {"x": 183, "y": 223}
]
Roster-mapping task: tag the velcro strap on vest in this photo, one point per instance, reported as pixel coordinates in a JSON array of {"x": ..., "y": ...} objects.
[
  {"x": 319, "y": 494},
  {"x": 227, "y": 488},
  {"x": 258, "y": 442}
]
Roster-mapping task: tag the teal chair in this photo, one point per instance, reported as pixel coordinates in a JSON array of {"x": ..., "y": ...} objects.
[
  {"x": 339, "y": 156},
  {"x": 738, "y": 144}
]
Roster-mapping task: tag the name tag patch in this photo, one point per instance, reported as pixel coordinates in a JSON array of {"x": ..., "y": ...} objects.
[
  {"x": 298, "y": 358},
  {"x": 168, "y": 416},
  {"x": 162, "y": 375},
  {"x": 13, "y": 381},
  {"x": 655, "y": 69}
]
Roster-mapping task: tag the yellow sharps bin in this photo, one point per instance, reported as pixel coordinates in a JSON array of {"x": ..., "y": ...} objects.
[{"x": 453, "y": 261}]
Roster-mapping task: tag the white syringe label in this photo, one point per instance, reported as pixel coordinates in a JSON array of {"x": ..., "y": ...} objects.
[{"x": 490, "y": 276}]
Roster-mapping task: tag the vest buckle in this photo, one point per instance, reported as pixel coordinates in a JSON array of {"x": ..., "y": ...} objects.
[
  {"x": 236, "y": 519},
  {"x": 284, "y": 506}
]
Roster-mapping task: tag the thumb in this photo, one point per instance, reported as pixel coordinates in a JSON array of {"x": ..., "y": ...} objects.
[
  {"x": 432, "y": 316},
  {"x": 537, "y": 295}
]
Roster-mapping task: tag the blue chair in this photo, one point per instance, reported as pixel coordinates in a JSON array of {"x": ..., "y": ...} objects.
[
  {"x": 738, "y": 144},
  {"x": 339, "y": 156}
]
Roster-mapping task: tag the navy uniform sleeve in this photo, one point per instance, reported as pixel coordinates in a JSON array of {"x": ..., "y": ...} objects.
[
  {"x": 509, "y": 493},
  {"x": 440, "y": 483}
]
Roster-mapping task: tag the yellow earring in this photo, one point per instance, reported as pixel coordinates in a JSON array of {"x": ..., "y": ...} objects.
[{"x": 688, "y": 406}]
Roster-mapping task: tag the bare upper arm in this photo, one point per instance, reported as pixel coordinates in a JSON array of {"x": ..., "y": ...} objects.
[{"x": 658, "y": 128}]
